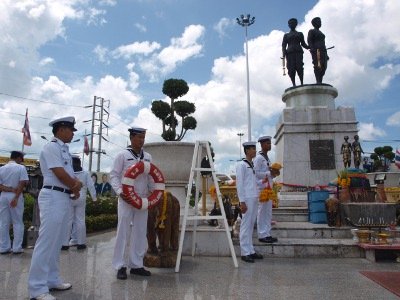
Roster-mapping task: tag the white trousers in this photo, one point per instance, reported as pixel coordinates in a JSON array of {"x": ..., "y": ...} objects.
[
  {"x": 133, "y": 236},
  {"x": 247, "y": 228},
  {"x": 76, "y": 233},
  {"x": 10, "y": 215},
  {"x": 264, "y": 218},
  {"x": 44, "y": 271}
]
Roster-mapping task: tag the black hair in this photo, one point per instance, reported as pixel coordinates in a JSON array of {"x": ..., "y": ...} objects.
[
  {"x": 95, "y": 175},
  {"x": 16, "y": 154},
  {"x": 76, "y": 164}
]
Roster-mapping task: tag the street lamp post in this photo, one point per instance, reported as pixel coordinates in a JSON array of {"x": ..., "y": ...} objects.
[
  {"x": 246, "y": 21},
  {"x": 240, "y": 134}
]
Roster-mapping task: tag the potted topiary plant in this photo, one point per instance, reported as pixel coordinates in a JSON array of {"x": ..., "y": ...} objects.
[
  {"x": 173, "y": 156},
  {"x": 174, "y": 89}
]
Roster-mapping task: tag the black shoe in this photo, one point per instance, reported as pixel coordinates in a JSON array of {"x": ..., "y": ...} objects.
[
  {"x": 140, "y": 272},
  {"x": 121, "y": 274},
  {"x": 248, "y": 258},
  {"x": 64, "y": 248},
  {"x": 5, "y": 252},
  {"x": 268, "y": 239},
  {"x": 256, "y": 255},
  {"x": 81, "y": 247}
]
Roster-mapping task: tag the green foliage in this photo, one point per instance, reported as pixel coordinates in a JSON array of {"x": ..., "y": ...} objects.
[
  {"x": 174, "y": 88},
  {"x": 104, "y": 205},
  {"x": 29, "y": 202},
  {"x": 101, "y": 222},
  {"x": 381, "y": 155}
]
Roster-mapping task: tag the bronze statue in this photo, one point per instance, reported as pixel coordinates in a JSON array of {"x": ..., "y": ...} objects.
[
  {"x": 346, "y": 152},
  {"x": 292, "y": 50},
  {"x": 316, "y": 42},
  {"x": 357, "y": 150}
]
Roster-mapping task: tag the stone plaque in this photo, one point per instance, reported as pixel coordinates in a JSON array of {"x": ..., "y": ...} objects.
[{"x": 322, "y": 155}]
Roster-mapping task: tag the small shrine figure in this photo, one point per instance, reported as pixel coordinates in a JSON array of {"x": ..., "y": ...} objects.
[
  {"x": 346, "y": 152},
  {"x": 292, "y": 50},
  {"x": 316, "y": 41},
  {"x": 357, "y": 150}
]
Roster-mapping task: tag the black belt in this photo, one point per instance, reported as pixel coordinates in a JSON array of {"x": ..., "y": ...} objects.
[{"x": 57, "y": 188}]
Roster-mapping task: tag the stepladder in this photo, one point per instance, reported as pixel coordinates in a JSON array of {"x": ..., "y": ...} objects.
[{"x": 202, "y": 149}]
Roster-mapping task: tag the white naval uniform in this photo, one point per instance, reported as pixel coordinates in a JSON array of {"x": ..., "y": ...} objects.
[
  {"x": 76, "y": 226},
  {"x": 247, "y": 192},
  {"x": 127, "y": 214},
  {"x": 54, "y": 209},
  {"x": 11, "y": 175},
  {"x": 264, "y": 216}
]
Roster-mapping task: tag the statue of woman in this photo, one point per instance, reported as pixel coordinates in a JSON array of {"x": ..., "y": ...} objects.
[
  {"x": 346, "y": 152},
  {"x": 357, "y": 150},
  {"x": 316, "y": 41},
  {"x": 292, "y": 44}
]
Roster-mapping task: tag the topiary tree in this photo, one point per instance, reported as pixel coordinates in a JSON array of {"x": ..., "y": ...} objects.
[
  {"x": 381, "y": 155},
  {"x": 174, "y": 88}
]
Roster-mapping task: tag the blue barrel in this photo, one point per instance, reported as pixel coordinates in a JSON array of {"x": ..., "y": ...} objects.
[{"x": 316, "y": 206}]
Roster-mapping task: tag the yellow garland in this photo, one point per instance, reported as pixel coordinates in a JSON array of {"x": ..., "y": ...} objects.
[{"x": 163, "y": 216}]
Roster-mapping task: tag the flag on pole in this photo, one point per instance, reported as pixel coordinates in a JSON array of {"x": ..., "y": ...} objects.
[
  {"x": 397, "y": 157},
  {"x": 86, "y": 146},
  {"x": 26, "y": 133}
]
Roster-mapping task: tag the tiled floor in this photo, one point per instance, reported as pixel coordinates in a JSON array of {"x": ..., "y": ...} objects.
[{"x": 92, "y": 277}]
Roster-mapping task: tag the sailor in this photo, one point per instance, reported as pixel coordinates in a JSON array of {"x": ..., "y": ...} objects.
[
  {"x": 127, "y": 214},
  {"x": 262, "y": 166},
  {"x": 13, "y": 179},
  {"x": 77, "y": 226},
  {"x": 247, "y": 191},
  {"x": 59, "y": 186}
]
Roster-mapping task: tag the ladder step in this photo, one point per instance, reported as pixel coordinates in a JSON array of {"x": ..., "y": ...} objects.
[
  {"x": 203, "y": 169},
  {"x": 205, "y": 218}
]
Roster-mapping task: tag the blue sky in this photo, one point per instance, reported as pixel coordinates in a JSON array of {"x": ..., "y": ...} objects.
[{"x": 59, "y": 54}]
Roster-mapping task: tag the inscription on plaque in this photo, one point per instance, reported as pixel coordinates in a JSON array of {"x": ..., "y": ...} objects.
[{"x": 322, "y": 155}]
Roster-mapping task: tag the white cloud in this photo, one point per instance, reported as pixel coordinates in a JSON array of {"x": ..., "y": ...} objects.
[
  {"x": 394, "y": 120},
  {"x": 141, "y": 27},
  {"x": 101, "y": 53},
  {"x": 222, "y": 25},
  {"x": 368, "y": 131},
  {"x": 46, "y": 61},
  {"x": 127, "y": 51}
]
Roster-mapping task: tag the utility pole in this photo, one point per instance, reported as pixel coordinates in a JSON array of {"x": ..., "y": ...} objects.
[{"x": 101, "y": 124}]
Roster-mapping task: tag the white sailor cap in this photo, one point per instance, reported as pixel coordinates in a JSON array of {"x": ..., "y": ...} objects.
[
  {"x": 249, "y": 144},
  {"x": 136, "y": 130},
  {"x": 264, "y": 138},
  {"x": 65, "y": 121}
]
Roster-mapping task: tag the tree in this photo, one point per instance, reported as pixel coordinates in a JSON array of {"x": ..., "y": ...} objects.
[
  {"x": 381, "y": 155},
  {"x": 174, "y": 88}
]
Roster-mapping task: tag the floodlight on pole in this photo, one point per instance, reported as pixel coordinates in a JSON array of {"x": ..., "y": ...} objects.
[{"x": 246, "y": 21}]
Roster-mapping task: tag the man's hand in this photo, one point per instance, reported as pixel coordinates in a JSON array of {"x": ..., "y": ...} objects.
[
  {"x": 123, "y": 196},
  {"x": 14, "y": 202},
  {"x": 243, "y": 207}
]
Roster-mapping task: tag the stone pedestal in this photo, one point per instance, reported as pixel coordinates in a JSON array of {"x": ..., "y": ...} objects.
[{"x": 309, "y": 135}]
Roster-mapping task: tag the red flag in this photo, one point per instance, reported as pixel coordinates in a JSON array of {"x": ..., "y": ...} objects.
[
  {"x": 25, "y": 130},
  {"x": 86, "y": 146}
]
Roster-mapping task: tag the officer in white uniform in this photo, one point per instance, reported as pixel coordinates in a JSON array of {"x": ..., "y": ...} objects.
[
  {"x": 59, "y": 186},
  {"x": 77, "y": 226},
  {"x": 127, "y": 214},
  {"x": 247, "y": 191},
  {"x": 262, "y": 169},
  {"x": 13, "y": 179}
]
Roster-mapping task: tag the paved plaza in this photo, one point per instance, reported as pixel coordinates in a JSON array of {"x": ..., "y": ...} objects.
[{"x": 92, "y": 277}]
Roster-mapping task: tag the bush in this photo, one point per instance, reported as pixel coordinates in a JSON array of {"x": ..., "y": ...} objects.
[{"x": 101, "y": 222}]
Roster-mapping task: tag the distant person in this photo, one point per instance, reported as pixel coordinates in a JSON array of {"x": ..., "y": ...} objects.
[
  {"x": 76, "y": 231},
  {"x": 59, "y": 186},
  {"x": 292, "y": 49},
  {"x": 316, "y": 42},
  {"x": 94, "y": 179},
  {"x": 357, "y": 150},
  {"x": 345, "y": 150},
  {"x": 104, "y": 187},
  {"x": 13, "y": 179},
  {"x": 247, "y": 192}
]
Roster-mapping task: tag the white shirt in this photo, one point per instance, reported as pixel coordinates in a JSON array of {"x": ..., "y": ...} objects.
[
  {"x": 125, "y": 159},
  {"x": 246, "y": 182},
  {"x": 87, "y": 184},
  {"x": 12, "y": 173},
  {"x": 261, "y": 167},
  {"x": 55, "y": 154}
]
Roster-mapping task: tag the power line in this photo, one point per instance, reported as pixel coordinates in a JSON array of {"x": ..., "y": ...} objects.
[
  {"x": 42, "y": 101},
  {"x": 22, "y": 115}
]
